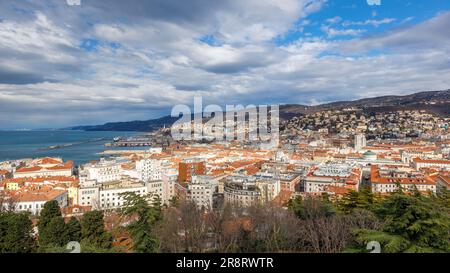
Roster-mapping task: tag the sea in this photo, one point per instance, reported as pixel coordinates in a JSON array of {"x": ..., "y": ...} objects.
[{"x": 79, "y": 146}]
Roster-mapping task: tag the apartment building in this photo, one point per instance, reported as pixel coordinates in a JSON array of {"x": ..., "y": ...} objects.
[
  {"x": 201, "y": 190},
  {"x": 385, "y": 179},
  {"x": 106, "y": 170}
]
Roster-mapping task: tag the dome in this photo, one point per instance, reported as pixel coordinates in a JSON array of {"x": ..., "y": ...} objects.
[{"x": 369, "y": 155}]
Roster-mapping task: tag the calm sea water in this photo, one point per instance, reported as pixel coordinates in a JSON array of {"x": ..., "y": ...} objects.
[{"x": 30, "y": 144}]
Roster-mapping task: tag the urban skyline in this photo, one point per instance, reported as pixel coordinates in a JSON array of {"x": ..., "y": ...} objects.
[{"x": 248, "y": 127}]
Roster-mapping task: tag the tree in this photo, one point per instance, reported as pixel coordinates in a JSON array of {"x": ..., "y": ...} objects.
[
  {"x": 311, "y": 208},
  {"x": 147, "y": 215},
  {"x": 363, "y": 199},
  {"x": 56, "y": 233},
  {"x": 51, "y": 209},
  {"x": 74, "y": 229},
  {"x": 412, "y": 223},
  {"x": 93, "y": 231},
  {"x": 52, "y": 229},
  {"x": 16, "y": 231}
]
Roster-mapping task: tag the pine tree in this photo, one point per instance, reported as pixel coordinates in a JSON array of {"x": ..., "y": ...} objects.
[
  {"x": 51, "y": 226},
  {"x": 412, "y": 223},
  {"x": 74, "y": 229},
  {"x": 93, "y": 233},
  {"x": 55, "y": 233},
  {"x": 363, "y": 199},
  {"x": 147, "y": 215},
  {"x": 16, "y": 233}
]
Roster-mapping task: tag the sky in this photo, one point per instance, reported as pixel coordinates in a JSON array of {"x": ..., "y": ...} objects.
[{"x": 115, "y": 60}]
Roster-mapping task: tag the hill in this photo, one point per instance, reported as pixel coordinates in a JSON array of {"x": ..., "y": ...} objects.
[{"x": 436, "y": 102}]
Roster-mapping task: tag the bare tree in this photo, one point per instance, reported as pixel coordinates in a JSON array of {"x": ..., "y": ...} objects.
[{"x": 324, "y": 234}]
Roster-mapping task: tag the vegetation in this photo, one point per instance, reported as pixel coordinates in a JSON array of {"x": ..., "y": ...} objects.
[
  {"x": 51, "y": 226},
  {"x": 16, "y": 233},
  {"x": 400, "y": 222},
  {"x": 93, "y": 231},
  {"x": 147, "y": 213}
]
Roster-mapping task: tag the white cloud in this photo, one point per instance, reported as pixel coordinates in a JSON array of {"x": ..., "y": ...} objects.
[
  {"x": 333, "y": 32},
  {"x": 371, "y": 22},
  {"x": 46, "y": 78}
]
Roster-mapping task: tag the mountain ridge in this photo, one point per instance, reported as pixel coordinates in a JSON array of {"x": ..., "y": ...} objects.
[{"x": 436, "y": 102}]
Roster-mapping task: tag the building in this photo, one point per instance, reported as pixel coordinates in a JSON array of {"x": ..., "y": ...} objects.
[
  {"x": 338, "y": 175},
  {"x": 110, "y": 194},
  {"x": 149, "y": 169},
  {"x": 169, "y": 182},
  {"x": 419, "y": 163},
  {"x": 188, "y": 169},
  {"x": 268, "y": 185},
  {"x": 201, "y": 190},
  {"x": 385, "y": 179},
  {"x": 360, "y": 142},
  {"x": 241, "y": 191},
  {"x": 442, "y": 183},
  {"x": 33, "y": 201},
  {"x": 3, "y": 174},
  {"x": 102, "y": 171},
  {"x": 45, "y": 167}
]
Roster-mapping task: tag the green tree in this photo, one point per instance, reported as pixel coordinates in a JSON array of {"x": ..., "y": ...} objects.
[
  {"x": 52, "y": 229},
  {"x": 93, "y": 231},
  {"x": 412, "y": 223},
  {"x": 147, "y": 214},
  {"x": 363, "y": 199},
  {"x": 311, "y": 208},
  {"x": 443, "y": 199},
  {"x": 74, "y": 229},
  {"x": 56, "y": 233},
  {"x": 16, "y": 231},
  {"x": 50, "y": 210}
]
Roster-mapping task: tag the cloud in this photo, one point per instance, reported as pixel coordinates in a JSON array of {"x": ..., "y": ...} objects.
[
  {"x": 126, "y": 60},
  {"x": 433, "y": 33},
  {"x": 333, "y": 32},
  {"x": 375, "y": 23},
  {"x": 334, "y": 20}
]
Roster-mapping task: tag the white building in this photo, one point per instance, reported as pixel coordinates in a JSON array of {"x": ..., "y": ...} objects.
[
  {"x": 169, "y": 179},
  {"x": 102, "y": 171},
  {"x": 338, "y": 175},
  {"x": 45, "y": 167},
  {"x": 426, "y": 163},
  {"x": 201, "y": 190},
  {"x": 150, "y": 169},
  {"x": 110, "y": 197},
  {"x": 389, "y": 179},
  {"x": 107, "y": 195},
  {"x": 259, "y": 188},
  {"x": 88, "y": 196},
  {"x": 360, "y": 142},
  {"x": 33, "y": 201}
]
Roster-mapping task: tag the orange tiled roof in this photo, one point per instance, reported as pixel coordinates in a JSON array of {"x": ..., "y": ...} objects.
[
  {"x": 431, "y": 161},
  {"x": 38, "y": 195},
  {"x": 377, "y": 179}
]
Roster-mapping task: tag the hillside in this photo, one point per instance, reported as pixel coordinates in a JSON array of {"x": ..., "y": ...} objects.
[{"x": 437, "y": 102}]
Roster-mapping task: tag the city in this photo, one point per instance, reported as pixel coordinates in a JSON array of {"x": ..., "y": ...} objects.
[
  {"x": 224, "y": 135},
  {"x": 329, "y": 155}
]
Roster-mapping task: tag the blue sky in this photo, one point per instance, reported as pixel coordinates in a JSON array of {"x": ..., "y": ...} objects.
[{"x": 119, "y": 60}]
